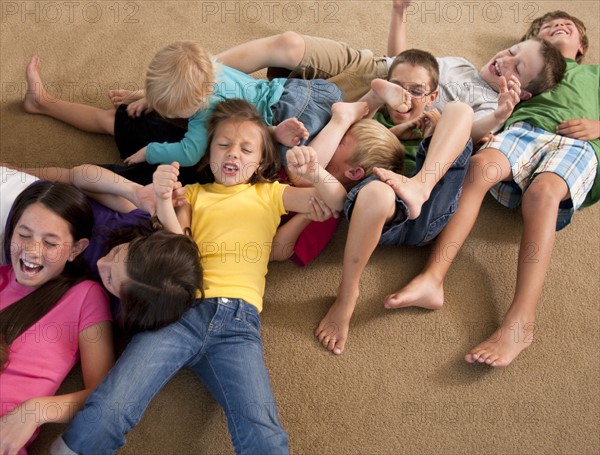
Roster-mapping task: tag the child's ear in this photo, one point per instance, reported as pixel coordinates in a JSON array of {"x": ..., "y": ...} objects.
[
  {"x": 78, "y": 248},
  {"x": 432, "y": 97},
  {"x": 355, "y": 173},
  {"x": 525, "y": 95}
]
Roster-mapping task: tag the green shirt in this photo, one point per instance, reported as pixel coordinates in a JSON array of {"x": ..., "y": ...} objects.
[
  {"x": 411, "y": 147},
  {"x": 577, "y": 96}
]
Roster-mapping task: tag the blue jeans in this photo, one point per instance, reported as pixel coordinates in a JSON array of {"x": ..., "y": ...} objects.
[
  {"x": 219, "y": 340},
  {"x": 435, "y": 213},
  {"x": 310, "y": 102}
]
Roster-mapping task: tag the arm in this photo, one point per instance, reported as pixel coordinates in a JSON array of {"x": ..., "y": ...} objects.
[
  {"x": 106, "y": 187},
  {"x": 509, "y": 97},
  {"x": 287, "y": 235},
  {"x": 164, "y": 182},
  {"x": 303, "y": 163},
  {"x": 186, "y": 152},
  {"x": 397, "y": 41},
  {"x": 97, "y": 182},
  {"x": 97, "y": 358}
]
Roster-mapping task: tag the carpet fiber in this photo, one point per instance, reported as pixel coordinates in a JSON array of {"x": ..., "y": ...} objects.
[{"x": 402, "y": 386}]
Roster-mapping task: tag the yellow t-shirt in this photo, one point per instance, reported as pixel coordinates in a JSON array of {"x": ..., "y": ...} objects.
[{"x": 234, "y": 228}]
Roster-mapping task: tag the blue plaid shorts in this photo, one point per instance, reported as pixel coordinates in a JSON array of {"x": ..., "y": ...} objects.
[{"x": 531, "y": 151}]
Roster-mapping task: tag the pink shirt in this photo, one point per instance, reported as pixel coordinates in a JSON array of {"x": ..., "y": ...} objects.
[{"x": 43, "y": 355}]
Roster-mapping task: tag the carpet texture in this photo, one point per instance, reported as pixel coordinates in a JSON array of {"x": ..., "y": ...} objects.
[{"x": 402, "y": 387}]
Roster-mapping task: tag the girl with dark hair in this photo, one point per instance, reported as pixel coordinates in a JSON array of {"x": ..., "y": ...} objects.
[
  {"x": 50, "y": 315},
  {"x": 154, "y": 275},
  {"x": 233, "y": 220}
]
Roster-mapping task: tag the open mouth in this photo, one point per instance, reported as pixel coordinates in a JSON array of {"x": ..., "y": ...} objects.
[
  {"x": 495, "y": 68},
  {"x": 559, "y": 32},
  {"x": 230, "y": 168},
  {"x": 29, "y": 268}
]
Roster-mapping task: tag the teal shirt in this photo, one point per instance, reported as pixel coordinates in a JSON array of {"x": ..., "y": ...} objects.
[
  {"x": 577, "y": 96},
  {"x": 230, "y": 84},
  {"x": 411, "y": 147}
]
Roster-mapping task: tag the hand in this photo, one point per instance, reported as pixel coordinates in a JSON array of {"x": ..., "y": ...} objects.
[
  {"x": 510, "y": 95},
  {"x": 165, "y": 180},
  {"x": 580, "y": 128},
  {"x": 319, "y": 211},
  {"x": 146, "y": 198},
  {"x": 120, "y": 96},
  {"x": 428, "y": 121},
  {"x": 139, "y": 107},
  {"x": 137, "y": 157},
  {"x": 408, "y": 130},
  {"x": 16, "y": 428},
  {"x": 290, "y": 132},
  {"x": 301, "y": 160}
]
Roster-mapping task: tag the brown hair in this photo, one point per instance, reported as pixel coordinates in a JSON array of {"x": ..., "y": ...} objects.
[
  {"x": 71, "y": 205},
  {"x": 179, "y": 78},
  {"x": 376, "y": 146},
  {"x": 164, "y": 276},
  {"x": 238, "y": 110},
  {"x": 536, "y": 26},
  {"x": 552, "y": 72},
  {"x": 417, "y": 57}
]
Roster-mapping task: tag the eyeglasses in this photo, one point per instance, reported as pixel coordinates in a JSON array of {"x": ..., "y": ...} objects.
[{"x": 414, "y": 90}]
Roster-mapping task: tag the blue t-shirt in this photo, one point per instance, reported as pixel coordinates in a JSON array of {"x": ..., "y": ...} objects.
[{"x": 229, "y": 84}]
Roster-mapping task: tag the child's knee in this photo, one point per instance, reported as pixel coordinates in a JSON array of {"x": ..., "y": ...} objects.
[
  {"x": 545, "y": 190},
  {"x": 290, "y": 42},
  {"x": 487, "y": 168},
  {"x": 377, "y": 198}
]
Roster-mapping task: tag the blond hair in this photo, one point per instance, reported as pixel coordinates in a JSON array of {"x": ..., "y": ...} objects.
[
  {"x": 179, "y": 79},
  {"x": 376, "y": 146}
]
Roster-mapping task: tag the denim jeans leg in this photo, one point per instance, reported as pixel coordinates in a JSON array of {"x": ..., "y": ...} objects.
[
  {"x": 146, "y": 365},
  {"x": 443, "y": 200},
  {"x": 308, "y": 101},
  {"x": 233, "y": 370}
]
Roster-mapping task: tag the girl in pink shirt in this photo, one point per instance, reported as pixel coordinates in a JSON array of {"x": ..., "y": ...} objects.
[{"x": 50, "y": 315}]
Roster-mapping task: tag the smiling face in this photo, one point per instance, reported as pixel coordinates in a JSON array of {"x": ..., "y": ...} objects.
[
  {"x": 41, "y": 245},
  {"x": 563, "y": 34},
  {"x": 236, "y": 151},
  {"x": 113, "y": 269},
  {"x": 524, "y": 60},
  {"x": 417, "y": 81}
]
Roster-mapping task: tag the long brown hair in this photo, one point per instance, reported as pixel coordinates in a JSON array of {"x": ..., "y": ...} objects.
[
  {"x": 238, "y": 110},
  {"x": 71, "y": 205}
]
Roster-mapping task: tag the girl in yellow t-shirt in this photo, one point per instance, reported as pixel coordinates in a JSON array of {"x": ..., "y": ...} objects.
[{"x": 233, "y": 220}]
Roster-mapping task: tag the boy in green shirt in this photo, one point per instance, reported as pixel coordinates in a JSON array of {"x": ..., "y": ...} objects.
[{"x": 546, "y": 160}]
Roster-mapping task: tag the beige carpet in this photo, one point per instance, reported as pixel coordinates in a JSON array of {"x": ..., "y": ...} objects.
[{"x": 402, "y": 386}]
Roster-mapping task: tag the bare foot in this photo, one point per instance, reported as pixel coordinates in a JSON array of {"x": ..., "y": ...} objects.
[
  {"x": 423, "y": 291},
  {"x": 505, "y": 344},
  {"x": 120, "y": 96},
  {"x": 392, "y": 94},
  {"x": 333, "y": 329},
  {"x": 349, "y": 113},
  {"x": 36, "y": 95},
  {"x": 412, "y": 193}
]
